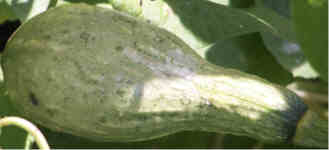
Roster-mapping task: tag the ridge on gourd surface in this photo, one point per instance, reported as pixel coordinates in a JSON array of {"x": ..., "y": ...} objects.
[{"x": 103, "y": 75}]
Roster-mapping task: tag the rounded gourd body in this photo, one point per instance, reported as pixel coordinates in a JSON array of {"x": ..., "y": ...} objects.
[{"x": 103, "y": 75}]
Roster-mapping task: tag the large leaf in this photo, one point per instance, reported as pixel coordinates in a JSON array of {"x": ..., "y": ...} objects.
[
  {"x": 186, "y": 18},
  {"x": 248, "y": 53},
  {"x": 26, "y": 9},
  {"x": 286, "y": 51},
  {"x": 311, "y": 22}
]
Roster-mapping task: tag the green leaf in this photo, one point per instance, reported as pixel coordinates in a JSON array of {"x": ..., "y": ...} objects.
[
  {"x": 241, "y": 4},
  {"x": 289, "y": 55},
  {"x": 311, "y": 22},
  {"x": 248, "y": 53},
  {"x": 281, "y": 7},
  {"x": 305, "y": 70},
  {"x": 186, "y": 18},
  {"x": 286, "y": 51},
  {"x": 6, "y": 13},
  {"x": 317, "y": 3},
  {"x": 132, "y": 7},
  {"x": 26, "y": 9},
  {"x": 278, "y": 25}
]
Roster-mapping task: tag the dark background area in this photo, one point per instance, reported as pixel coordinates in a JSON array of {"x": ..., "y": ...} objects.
[{"x": 6, "y": 30}]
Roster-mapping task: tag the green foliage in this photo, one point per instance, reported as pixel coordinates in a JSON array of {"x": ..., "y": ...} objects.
[
  {"x": 317, "y": 3},
  {"x": 218, "y": 34},
  {"x": 133, "y": 7},
  {"x": 25, "y": 9},
  {"x": 311, "y": 22},
  {"x": 248, "y": 53},
  {"x": 286, "y": 51},
  {"x": 6, "y": 12}
]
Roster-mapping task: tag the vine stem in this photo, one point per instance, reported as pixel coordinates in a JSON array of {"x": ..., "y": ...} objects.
[{"x": 27, "y": 126}]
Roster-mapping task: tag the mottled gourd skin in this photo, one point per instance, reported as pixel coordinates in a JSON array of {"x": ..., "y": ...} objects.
[{"x": 99, "y": 74}]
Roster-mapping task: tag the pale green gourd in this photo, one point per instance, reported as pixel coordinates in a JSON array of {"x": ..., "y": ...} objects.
[{"x": 102, "y": 75}]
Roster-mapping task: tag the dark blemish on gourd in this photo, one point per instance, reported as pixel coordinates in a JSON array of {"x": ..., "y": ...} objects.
[
  {"x": 135, "y": 44},
  {"x": 67, "y": 99},
  {"x": 94, "y": 81},
  {"x": 48, "y": 37},
  {"x": 85, "y": 36},
  {"x": 102, "y": 119},
  {"x": 102, "y": 100},
  {"x": 129, "y": 82},
  {"x": 119, "y": 48},
  {"x": 140, "y": 50},
  {"x": 120, "y": 92},
  {"x": 33, "y": 99},
  {"x": 50, "y": 112},
  {"x": 58, "y": 59},
  {"x": 50, "y": 79},
  {"x": 158, "y": 40},
  {"x": 93, "y": 38},
  {"x": 65, "y": 31}
]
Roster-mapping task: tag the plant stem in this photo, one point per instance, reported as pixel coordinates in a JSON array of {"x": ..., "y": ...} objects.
[
  {"x": 29, "y": 127},
  {"x": 29, "y": 142}
]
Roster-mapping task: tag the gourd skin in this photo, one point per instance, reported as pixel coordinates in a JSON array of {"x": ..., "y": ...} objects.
[{"x": 103, "y": 75}]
